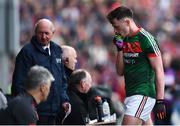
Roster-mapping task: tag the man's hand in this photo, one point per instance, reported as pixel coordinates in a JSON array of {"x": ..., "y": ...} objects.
[
  {"x": 118, "y": 41},
  {"x": 67, "y": 107},
  {"x": 160, "y": 109}
]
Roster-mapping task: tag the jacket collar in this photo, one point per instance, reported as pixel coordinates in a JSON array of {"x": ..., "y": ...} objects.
[{"x": 35, "y": 42}]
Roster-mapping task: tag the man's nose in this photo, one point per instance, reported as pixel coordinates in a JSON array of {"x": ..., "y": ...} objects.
[{"x": 43, "y": 35}]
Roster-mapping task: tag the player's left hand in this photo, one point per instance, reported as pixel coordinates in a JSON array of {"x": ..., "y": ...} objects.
[{"x": 160, "y": 109}]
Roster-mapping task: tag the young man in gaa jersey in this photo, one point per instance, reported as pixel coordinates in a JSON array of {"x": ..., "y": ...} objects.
[{"x": 139, "y": 60}]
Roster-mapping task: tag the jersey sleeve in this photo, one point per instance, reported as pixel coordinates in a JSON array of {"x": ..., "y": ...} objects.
[{"x": 149, "y": 45}]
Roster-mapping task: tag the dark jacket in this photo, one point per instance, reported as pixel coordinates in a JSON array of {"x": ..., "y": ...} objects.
[
  {"x": 79, "y": 111},
  {"x": 68, "y": 72},
  {"x": 20, "y": 110},
  {"x": 33, "y": 54}
]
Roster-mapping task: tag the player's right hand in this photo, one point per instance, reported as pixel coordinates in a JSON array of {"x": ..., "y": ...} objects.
[
  {"x": 160, "y": 109},
  {"x": 118, "y": 41}
]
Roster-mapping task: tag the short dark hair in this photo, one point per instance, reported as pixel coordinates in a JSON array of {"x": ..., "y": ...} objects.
[
  {"x": 76, "y": 77},
  {"x": 119, "y": 13}
]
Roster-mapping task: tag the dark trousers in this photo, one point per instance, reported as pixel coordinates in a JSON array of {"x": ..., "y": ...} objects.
[{"x": 46, "y": 120}]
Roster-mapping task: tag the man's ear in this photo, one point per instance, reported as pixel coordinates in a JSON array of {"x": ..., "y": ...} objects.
[
  {"x": 82, "y": 83},
  {"x": 42, "y": 88},
  {"x": 66, "y": 61},
  {"x": 54, "y": 31},
  {"x": 127, "y": 21}
]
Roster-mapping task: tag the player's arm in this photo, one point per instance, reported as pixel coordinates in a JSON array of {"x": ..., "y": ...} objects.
[
  {"x": 118, "y": 42},
  {"x": 152, "y": 50},
  {"x": 160, "y": 109},
  {"x": 120, "y": 63},
  {"x": 157, "y": 65},
  {"x": 150, "y": 46}
]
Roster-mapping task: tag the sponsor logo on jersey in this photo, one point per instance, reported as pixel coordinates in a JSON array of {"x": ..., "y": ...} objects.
[
  {"x": 131, "y": 50},
  {"x": 131, "y": 54},
  {"x": 129, "y": 61},
  {"x": 132, "y": 47}
]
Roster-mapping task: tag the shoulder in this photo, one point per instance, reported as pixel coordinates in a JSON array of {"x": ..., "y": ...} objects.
[
  {"x": 145, "y": 35},
  {"x": 25, "y": 51},
  {"x": 71, "y": 94},
  {"x": 20, "y": 103},
  {"x": 21, "y": 106},
  {"x": 26, "y": 48},
  {"x": 16, "y": 100},
  {"x": 147, "y": 39},
  {"x": 148, "y": 43},
  {"x": 73, "y": 97},
  {"x": 55, "y": 46}
]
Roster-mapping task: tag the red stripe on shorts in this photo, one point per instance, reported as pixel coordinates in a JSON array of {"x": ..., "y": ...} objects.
[{"x": 141, "y": 106}]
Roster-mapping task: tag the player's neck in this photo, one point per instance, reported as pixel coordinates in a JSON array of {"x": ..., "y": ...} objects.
[{"x": 134, "y": 29}]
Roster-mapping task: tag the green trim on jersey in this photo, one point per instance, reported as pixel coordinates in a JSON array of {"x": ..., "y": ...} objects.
[{"x": 138, "y": 73}]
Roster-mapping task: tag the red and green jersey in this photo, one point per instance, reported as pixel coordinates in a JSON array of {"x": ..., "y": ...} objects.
[{"x": 138, "y": 73}]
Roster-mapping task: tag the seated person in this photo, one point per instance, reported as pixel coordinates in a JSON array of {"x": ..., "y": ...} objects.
[
  {"x": 69, "y": 57},
  {"x": 79, "y": 84},
  {"x": 22, "y": 108}
]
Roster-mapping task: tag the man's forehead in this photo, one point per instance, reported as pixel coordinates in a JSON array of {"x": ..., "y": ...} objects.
[
  {"x": 117, "y": 22},
  {"x": 44, "y": 24}
]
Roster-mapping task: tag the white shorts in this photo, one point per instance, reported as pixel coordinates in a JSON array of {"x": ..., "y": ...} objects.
[{"x": 139, "y": 106}]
